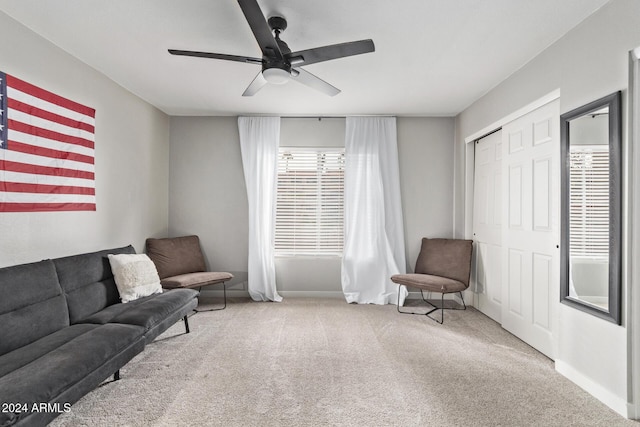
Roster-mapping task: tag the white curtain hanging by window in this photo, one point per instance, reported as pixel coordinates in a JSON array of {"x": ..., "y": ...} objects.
[
  {"x": 374, "y": 231},
  {"x": 259, "y": 138}
]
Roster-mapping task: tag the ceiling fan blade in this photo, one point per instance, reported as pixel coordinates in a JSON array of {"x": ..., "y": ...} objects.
[
  {"x": 260, "y": 27},
  {"x": 326, "y": 53},
  {"x": 257, "y": 84},
  {"x": 215, "y": 56},
  {"x": 306, "y": 78}
]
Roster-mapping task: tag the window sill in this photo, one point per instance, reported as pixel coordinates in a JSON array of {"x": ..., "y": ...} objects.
[{"x": 309, "y": 256}]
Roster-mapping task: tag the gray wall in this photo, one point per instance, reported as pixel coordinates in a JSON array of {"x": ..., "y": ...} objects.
[
  {"x": 131, "y": 158},
  {"x": 589, "y": 62},
  {"x": 207, "y": 194}
]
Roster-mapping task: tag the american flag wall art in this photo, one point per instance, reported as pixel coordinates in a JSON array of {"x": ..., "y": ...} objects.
[{"x": 46, "y": 150}]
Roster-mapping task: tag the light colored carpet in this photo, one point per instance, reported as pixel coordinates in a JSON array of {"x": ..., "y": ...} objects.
[{"x": 323, "y": 362}]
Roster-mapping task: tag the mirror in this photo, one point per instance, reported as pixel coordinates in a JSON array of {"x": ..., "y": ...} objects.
[{"x": 591, "y": 216}]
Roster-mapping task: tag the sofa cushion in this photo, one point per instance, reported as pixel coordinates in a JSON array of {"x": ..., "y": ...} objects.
[
  {"x": 67, "y": 364},
  {"x": 32, "y": 304},
  {"x": 88, "y": 282},
  {"x": 176, "y": 255},
  {"x": 428, "y": 282},
  {"x": 135, "y": 275},
  {"x": 22, "y": 356},
  {"x": 148, "y": 311}
]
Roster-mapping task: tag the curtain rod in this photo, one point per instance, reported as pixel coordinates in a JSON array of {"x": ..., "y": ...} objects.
[
  {"x": 329, "y": 117},
  {"x": 313, "y": 117},
  {"x": 318, "y": 117}
]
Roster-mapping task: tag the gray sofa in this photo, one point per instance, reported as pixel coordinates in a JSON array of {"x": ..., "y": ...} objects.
[{"x": 63, "y": 331}]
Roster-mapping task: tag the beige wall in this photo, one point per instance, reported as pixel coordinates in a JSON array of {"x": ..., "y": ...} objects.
[
  {"x": 131, "y": 155},
  {"x": 208, "y": 197},
  {"x": 589, "y": 62}
]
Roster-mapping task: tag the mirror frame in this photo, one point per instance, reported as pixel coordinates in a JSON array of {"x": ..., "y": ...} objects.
[{"x": 613, "y": 101}]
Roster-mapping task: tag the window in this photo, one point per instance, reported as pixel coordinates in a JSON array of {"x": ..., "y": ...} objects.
[
  {"x": 310, "y": 201},
  {"x": 589, "y": 201}
]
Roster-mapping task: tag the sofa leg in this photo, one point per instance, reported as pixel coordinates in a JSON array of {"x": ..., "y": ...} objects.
[
  {"x": 186, "y": 323},
  {"x": 116, "y": 376}
]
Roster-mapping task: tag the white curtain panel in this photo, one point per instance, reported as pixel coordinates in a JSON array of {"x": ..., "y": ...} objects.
[
  {"x": 374, "y": 231},
  {"x": 259, "y": 137}
]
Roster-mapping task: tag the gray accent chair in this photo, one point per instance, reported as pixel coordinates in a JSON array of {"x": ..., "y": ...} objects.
[
  {"x": 443, "y": 266},
  {"x": 181, "y": 265}
]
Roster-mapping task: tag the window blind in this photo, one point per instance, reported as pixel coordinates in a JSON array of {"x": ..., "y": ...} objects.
[
  {"x": 589, "y": 201},
  {"x": 310, "y": 202}
]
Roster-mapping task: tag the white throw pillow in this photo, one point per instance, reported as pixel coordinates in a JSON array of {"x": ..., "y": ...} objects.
[{"x": 135, "y": 275}]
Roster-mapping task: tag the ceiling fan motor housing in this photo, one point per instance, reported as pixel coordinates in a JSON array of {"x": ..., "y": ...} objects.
[
  {"x": 277, "y": 70},
  {"x": 277, "y": 23}
]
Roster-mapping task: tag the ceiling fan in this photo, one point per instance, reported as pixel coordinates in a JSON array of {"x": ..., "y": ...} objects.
[{"x": 279, "y": 64}]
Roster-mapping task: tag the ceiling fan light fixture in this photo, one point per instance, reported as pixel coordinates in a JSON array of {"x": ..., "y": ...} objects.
[{"x": 276, "y": 76}]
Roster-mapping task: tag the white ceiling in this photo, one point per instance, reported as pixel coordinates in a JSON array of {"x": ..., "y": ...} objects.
[{"x": 432, "y": 58}]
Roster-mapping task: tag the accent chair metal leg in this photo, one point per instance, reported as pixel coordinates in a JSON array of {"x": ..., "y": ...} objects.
[
  {"x": 441, "y": 308},
  {"x": 463, "y": 304},
  {"x": 412, "y": 312},
  {"x": 224, "y": 290},
  {"x": 116, "y": 375}
]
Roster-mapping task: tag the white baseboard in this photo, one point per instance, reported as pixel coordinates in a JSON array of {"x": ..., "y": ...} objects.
[
  {"x": 633, "y": 413},
  {"x": 239, "y": 293},
  {"x": 436, "y": 296},
  {"x": 621, "y": 406},
  {"x": 312, "y": 294}
]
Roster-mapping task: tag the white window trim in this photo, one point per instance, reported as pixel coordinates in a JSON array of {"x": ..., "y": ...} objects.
[{"x": 336, "y": 228}]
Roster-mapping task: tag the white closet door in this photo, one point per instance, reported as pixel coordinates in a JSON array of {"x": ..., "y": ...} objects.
[
  {"x": 530, "y": 230},
  {"x": 487, "y": 224}
]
